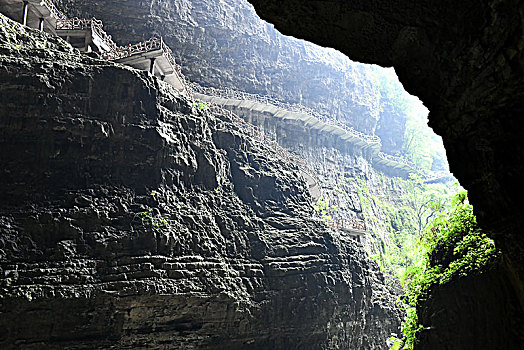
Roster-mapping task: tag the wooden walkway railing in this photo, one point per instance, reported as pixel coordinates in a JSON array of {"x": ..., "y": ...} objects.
[{"x": 145, "y": 46}]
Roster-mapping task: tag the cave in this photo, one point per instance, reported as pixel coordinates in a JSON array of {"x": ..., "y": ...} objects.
[
  {"x": 183, "y": 175},
  {"x": 464, "y": 60}
]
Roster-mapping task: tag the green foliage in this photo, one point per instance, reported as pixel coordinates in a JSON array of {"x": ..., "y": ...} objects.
[
  {"x": 452, "y": 246},
  {"x": 397, "y": 222},
  {"x": 322, "y": 207},
  {"x": 149, "y": 221},
  {"x": 201, "y": 105},
  {"x": 426, "y": 200},
  {"x": 394, "y": 343},
  {"x": 421, "y": 144}
]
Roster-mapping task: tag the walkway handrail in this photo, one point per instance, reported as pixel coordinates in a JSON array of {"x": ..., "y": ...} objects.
[
  {"x": 241, "y": 95},
  {"x": 106, "y": 38},
  {"x": 145, "y": 46},
  {"x": 260, "y": 136},
  {"x": 396, "y": 159},
  {"x": 53, "y": 10},
  {"x": 168, "y": 54},
  {"x": 350, "y": 224},
  {"x": 94, "y": 24},
  {"x": 76, "y": 23}
]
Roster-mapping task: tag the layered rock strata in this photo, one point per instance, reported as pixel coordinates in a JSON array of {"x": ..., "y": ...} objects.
[
  {"x": 465, "y": 62},
  {"x": 129, "y": 218},
  {"x": 225, "y": 44}
]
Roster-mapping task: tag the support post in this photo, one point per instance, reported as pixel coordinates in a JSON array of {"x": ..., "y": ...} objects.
[
  {"x": 41, "y": 24},
  {"x": 152, "y": 66},
  {"x": 87, "y": 42},
  {"x": 25, "y": 12}
]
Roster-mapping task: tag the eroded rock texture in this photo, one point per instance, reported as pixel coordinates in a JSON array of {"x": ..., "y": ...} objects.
[
  {"x": 129, "y": 218},
  {"x": 464, "y": 60},
  {"x": 225, "y": 44}
]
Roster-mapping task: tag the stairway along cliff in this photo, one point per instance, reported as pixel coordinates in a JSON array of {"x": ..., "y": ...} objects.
[{"x": 131, "y": 218}]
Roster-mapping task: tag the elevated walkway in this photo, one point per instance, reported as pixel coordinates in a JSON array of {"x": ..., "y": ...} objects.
[
  {"x": 290, "y": 111},
  {"x": 369, "y": 145},
  {"x": 396, "y": 166},
  {"x": 38, "y": 14},
  {"x": 355, "y": 228},
  {"x": 88, "y": 35},
  {"x": 439, "y": 177},
  {"x": 152, "y": 55}
]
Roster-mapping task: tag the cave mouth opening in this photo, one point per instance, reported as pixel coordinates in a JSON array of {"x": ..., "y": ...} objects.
[
  {"x": 376, "y": 173},
  {"x": 411, "y": 207},
  {"x": 431, "y": 47}
]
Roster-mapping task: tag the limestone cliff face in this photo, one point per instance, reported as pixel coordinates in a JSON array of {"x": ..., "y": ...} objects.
[
  {"x": 464, "y": 60},
  {"x": 129, "y": 218},
  {"x": 225, "y": 44}
]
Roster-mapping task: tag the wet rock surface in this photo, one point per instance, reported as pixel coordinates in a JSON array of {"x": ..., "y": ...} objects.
[
  {"x": 129, "y": 218},
  {"x": 465, "y": 62}
]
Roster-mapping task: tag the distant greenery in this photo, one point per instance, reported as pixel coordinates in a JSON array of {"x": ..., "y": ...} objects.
[
  {"x": 201, "y": 105},
  {"x": 451, "y": 247},
  {"x": 421, "y": 145},
  {"x": 401, "y": 222}
]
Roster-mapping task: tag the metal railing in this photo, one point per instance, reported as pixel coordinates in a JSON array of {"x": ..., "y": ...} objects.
[
  {"x": 241, "y": 95},
  {"x": 53, "y": 10},
  {"x": 94, "y": 24}
]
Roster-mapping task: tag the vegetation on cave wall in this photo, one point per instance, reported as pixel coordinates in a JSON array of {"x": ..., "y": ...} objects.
[
  {"x": 452, "y": 246},
  {"x": 397, "y": 211},
  {"x": 420, "y": 144}
]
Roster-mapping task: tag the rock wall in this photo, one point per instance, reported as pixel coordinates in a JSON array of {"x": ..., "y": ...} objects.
[
  {"x": 129, "y": 218},
  {"x": 225, "y": 44},
  {"x": 351, "y": 185},
  {"x": 464, "y": 61}
]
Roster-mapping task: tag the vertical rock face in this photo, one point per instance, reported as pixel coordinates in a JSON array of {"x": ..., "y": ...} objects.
[
  {"x": 464, "y": 60},
  {"x": 131, "y": 219},
  {"x": 225, "y": 44}
]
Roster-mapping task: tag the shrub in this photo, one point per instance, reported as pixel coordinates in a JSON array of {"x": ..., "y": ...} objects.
[{"x": 453, "y": 246}]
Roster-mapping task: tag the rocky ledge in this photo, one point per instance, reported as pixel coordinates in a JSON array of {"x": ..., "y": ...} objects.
[
  {"x": 129, "y": 218},
  {"x": 464, "y": 60}
]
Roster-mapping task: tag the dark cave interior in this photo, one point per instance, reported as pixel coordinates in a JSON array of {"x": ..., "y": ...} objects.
[{"x": 465, "y": 61}]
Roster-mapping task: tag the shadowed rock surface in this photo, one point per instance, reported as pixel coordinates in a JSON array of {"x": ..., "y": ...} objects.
[
  {"x": 225, "y": 44},
  {"x": 464, "y": 60},
  {"x": 131, "y": 219}
]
